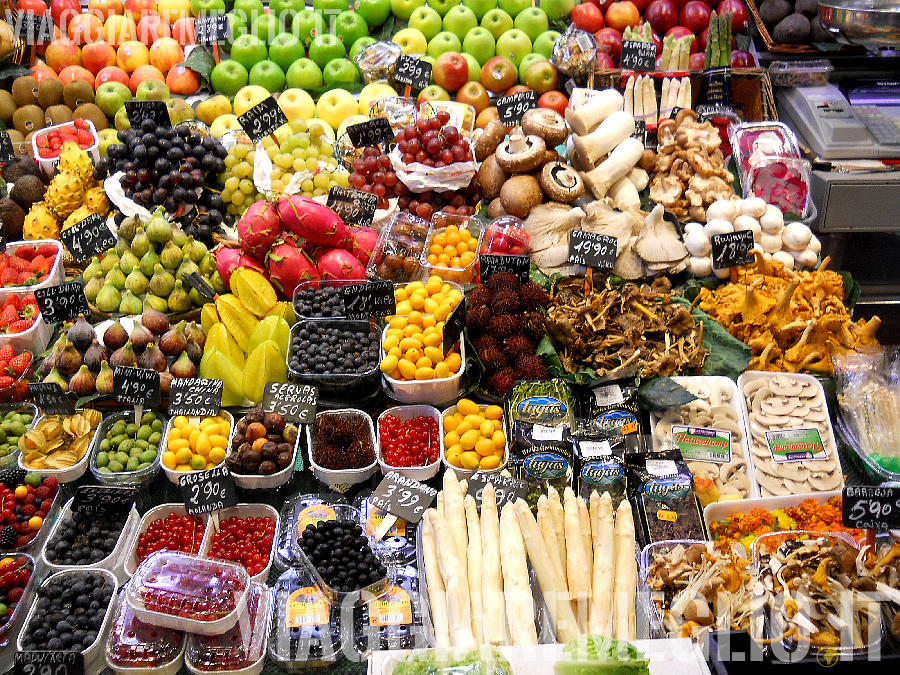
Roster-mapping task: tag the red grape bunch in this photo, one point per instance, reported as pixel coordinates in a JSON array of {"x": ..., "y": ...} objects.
[{"x": 433, "y": 142}]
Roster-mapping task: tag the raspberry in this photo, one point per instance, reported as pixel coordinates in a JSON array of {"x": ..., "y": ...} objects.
[
  {"x": 45, "y": 505},
  {"x": 29, "y": 510},
  {"x": 51, "y": 482},
  {"x": 43, "y": 492},
  {"x": 23, "y": 539}
]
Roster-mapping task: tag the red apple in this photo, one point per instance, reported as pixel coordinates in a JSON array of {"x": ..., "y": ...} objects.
[
  {"x": 587, "y": 16},
  {"x": 41, "y": 72},
  {"x": 138, "y": 8},
  {"x": 111, "y": 74},
  {"x": 142, "y": 73},
  {"x": 475, "y": 95},
  {"x": 183, "y": 31},
  {"x": 741, "y": 59},
  {"x": 38, "y": 7},
  {"x": 609, "y": 41},
  {"x": 662, "y": 15},
  {"x": 695, "y": 16},
  {"x": 72, "y": 73},
  {"x": 451, "y": 70},
  {"x": 739, "y": 19},
  {"x": 681, "y": 31},
  {"x": 696, "y": 61},
  {"x": 554, "y": 100},
  {"x": 151, "y": 27},
  {"x": 541, "y": 76},
  {"x": 105, "y": 8},
  {"x": 61, "y": 53},
  {"x": 62, "y": 11},
  {"x": 498, "y": 74},
  {"x": 98, "y": 55},
  {"x": 622, "y": 14},
  {"x": 182, "y": 81},
  {"x": 605, "y": 61},
  {"x": 516, "y": 89}
]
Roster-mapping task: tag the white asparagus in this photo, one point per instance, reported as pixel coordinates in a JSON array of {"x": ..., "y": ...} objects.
[
  {"x": 639, "y": 98},
  {"x": 626, "y": 574},
  {"x": 650, "y": 100},
  {"x": 434, "y": 583},
  {"x": 516, "y": 586},
  {"x": 439, "y": 503},
  {"x": 548, "y": 531},
  {"x": 685, "y": 55},
  {"x": 576, "y": 567},
  {"x": 604, "y": 569},
  {"x": 584, "y": 524},
  {"x": 556, "y": 513},
  {"x": 474, "y": 559},
  {"x": 494, "y": 628},
  {"x": 629, "y": 95},
  {"x": 664, "y": 108},
  {"x": 455, "y": 514},
  {"x": 672, "y": 101},
  {"x": 452, "y": 566},
  {"x": 684, "y": 93}
]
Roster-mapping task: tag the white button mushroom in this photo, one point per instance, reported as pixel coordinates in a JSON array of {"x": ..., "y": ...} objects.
[
  {"x": 796, "y": 236},
  {"x": 773, "y": 220},
  {"x": 770, "y": 242},
  {"x": 754, "y": 206},
  {"x": 814, "y": 245},
  {"x": 700, "y": 266},
  {"x": 723, "y": 273},
  {"x": 722, "y": 209},
  {"x": 747, "y": 223},
  {"x": 697, "y": 243},
  {"x": 693, "y": 226},
  {"x": 757, "y": 247},
  {"x": 717, "y": 227},
  {"x": 806, "y": 258},
  {"x": 767, "y": 256},
  {"x": 784, "y": 258}
]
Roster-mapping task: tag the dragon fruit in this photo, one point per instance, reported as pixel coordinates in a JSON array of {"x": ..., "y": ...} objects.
[
  {"x": 229, "y": 259},
  {"x": 364, "y": 239},
  {"x": 336, "y": 263},
  {"x": 288, "y": 265},
  {"x": 314, "y": 222},
  {"x": 258, "y": 228}
]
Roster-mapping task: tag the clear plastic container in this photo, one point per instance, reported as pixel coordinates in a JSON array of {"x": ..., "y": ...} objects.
[
  {"x": 24, "y": 408},
  {"x": 244, "y": 511},
  {"x": 334, "y": 477},
  {"x": 162, "y": 512},
  {"x": 174, "y": 475},
  {"x": 189, "y": 593},
  {"x": 398, "y": 286},
  {"x": 505, "y": 235},
  {"x": 394, "y": 620},
  {"x": 251, "y": 481},
  {"x": 466, "y": 473},
  {"x": 135, "y": 647},
  {"x": 26, "y": 562},
  {"x": 781, "y": 181},
  {"x": 462, "y": 115},
  {"x": 404, "y": 413},
  {"x": 57, "y": 272},
  {"x": 812, "y": 73},
  {"x": 397, "y": 252},
  {"x": 36, "y": 338},
  {"x": 436, "y": 391},
  {"x": 320, "y": 298},
  {"x": 49, "y": 164},
  {"x": 377, "y": 62},
  {"x": 74, "y": 472},
  {"x": 440, "y": 221},
  {"x": 399, "y": 543},
  {"x": 758, "y": 139},
  {"x": 294, "y": 515},
  {"x": 36, "y": 545},
  {"x": 241, "y": 650},
  {"x": 125, "y": 478}
]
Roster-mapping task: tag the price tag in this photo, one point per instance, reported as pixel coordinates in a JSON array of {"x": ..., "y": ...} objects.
[
  {"x": 7, "y": 154},
  {"x": 640, "y": 131},
  {"x": 716, "y": 86},
  {"x": 99, "y": 498},
  {"x": 353, "y": 206},
  {"x": 212, "y": 28},
  {"x": 49, "y": 663},
  {"x": 453, "y": 326},
  {"x": 412, "y": 71},
  {"x": 638, "y": 56},
  {"x": 371, "y": 132},
  {"x": 263, "y": 119},
  {"x": 796, "y": 445},
  {"x": 136, "y": 386},
  {"x": 34, "y": 28},
  {"x": 511, "y": 108},
  {"x": 870, "y": 508},
  {"x": 63, "y": 302},
  {"x": 195, "y": 397},
  {"x": 372, "y": 299},
  {"x": 205, "y": 491},
  {"x": 491, "y": 263},
  {"x": 731, "y": 248},
  {"x": 138, "y": 111},
  {"x": 403, "y": 497},
  {"x": 50, "y": 398},
  {"x": 592, "y": 250},
  {"x": 506, "y": 489},
  {"x": 295, "y": 402},
  {"x": 88, "y": 237}
]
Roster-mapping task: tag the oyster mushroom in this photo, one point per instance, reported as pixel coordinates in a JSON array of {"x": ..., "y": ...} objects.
[
  {"x": 520, "y": 153},
  {"x": 519, "y": 194},
  {"x": 561, "y": 182},
  {"x": 546, "y": 123}
]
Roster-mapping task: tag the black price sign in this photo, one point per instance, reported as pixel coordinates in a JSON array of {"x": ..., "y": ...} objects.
[
  {"x": 403, "y": 497},
  {"x": 364, "y": 301},
  {"x": 638, "y": 56},
  {"x": 50, "y": 398},
  {"x": 88, "y": 237},
  {"x": 453, "y": 326},
  {"x": 506, "y": 489},
  {"x": 63, "y": 302},
  {"x": 353, "y": 206},
  {"x": 195, "y": 397},
  {"x": 7, "y": 154},
  {"x": 731, "y": 248},
  {"x": 205, "y": 491},
  {"x": 491, "y": 263},
  {"x": 136, "y": 386},
  {"x": 138, "y": 111},
  {"x": 371, "y": 132},
  {"x": 871, "y": 508},
  {"x": 295, "y": 402},
  {"x": 412, "y": 71},
  {"x": 34, "y": 28},
  {"x": 263, "y": 119},
  {"x": 716, "y": 86},
  {"x": 592, "y": 250},
  {"x": 212, "y": 28},
  {"x": 99, "y": 498},
  {"x": 511, "y": 108},
  {"x": 49, "y": 663},
  {"x": 640, "y": 131}
]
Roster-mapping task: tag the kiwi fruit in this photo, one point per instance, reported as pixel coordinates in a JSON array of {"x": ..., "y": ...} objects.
[
  {"x": 20, "y": 166},
  {"x": 77, "y": 93},
  {"x": 15, "y": 135},
  {"x": 50, "y": 93},
  {"x": 57, "y": 114},
  {"x": 27, "y": 190},
  {"x": 773, "y": 11},
  {"x": 28, "y": 119},
  {"x": 13, "y": 218},
  {"x": 90, "y": 111},
  {"x": 7, "y": 106},
  {"x": 25, "y": 90}
]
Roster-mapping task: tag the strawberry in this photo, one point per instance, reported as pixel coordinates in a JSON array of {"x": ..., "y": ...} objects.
[
  {"x": 9, "y": 277},
  {"x": 40, "y": 265},
  {"x": 19, "y": 364},
  {"x": 85, "y": 136},
  {"x": 6, "y": 352},
  {"x": 20, "y": 391},
  {"x": 6, "y": 381},
  {"x": 80, "y": 123},
  {"x": 11, "y": 301},
  {"x": 25, "y": 252},
  {"x": 20, "y": 326},
  {"x": 20, "y": 264},
  {"x": 47, "y": 250},
  {"x": 8, "y": 315},
  {"x": 42, "y": 141}
]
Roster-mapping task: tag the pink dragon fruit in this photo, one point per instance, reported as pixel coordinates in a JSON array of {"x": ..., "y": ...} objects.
[
  {"x": 288, "y": 265},
  {"x": 364, "y": 239},
  {"x": 336, "y": 263},
  {"x": 258, "y": 228},
  {"x": 229, "y": 259},
  {"x": 314, "y": 222}
]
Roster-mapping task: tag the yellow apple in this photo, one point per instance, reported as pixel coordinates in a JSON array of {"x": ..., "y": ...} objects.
[
  {"x": 353, "y": 119},
  {"x": 297, "y": 104},
  {"x": 373, "y": 92},
  {"x": 411, "y": 41},
  {"x": 172, "y": 10},
  {"x": 223, "y": 124},
  {"x": 249, "y": 96},
  {"x": 335, "y": 106}
]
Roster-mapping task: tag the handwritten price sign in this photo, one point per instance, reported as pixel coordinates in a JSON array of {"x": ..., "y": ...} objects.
[
  {"x": 511, "y": 108},
  {"x": 369, "y": 133},
  {"x": 731, "y": 249},
  {"x": 592, "y": 250},
  {"x": 262, "y": 119},
  {"x": 206, "y": 491},
  {"x": 403, "y": 497},
  {"x": 871, "y": 508},
  {"x": 412, "y": 71},
  {"x": 638, "y": 56},
  {"x": 372, "y": 299},
  {"x": 506, "y": 489},
  {"x": 195, "y": 397},
  {"x": 49, "y": 663},
  {"x": 353, "y": 206},
  {"x": 136, "y": 386},
  {"x": 295, "y": 402},
  {"x": 88, "y": 237},
  {"x": 63, "y": 302}
]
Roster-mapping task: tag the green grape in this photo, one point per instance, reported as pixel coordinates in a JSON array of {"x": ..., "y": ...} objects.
[
  {"x": 267, "y": 142},
  {"x": 321, "y": 180},
  {"x": 307, "y": 185},
  {"x": 326, "y": 150},
  {"x": 304, "y": 141},
  {"x": 276, "y": 173},
  {"x": 319, "y": 191},
  {"x": 242, "y": 170},
  {"x": 341, "y": 178},
  {"x": 298, "y": 153},
  {"x": 238, "y": 198},
  {"x": 312, "y": 152},
  {"x": 312, "y": 164},
  {"x": 240, "y": 150},
  {"x": 247, "y": 187},
  {"x": 232, "y": 183},
  {"x": 231, "y": 161},
  {"x": 286, "y": 176},
  {"x": 271, "y": 151},
  {"x": 298, "y": 125},
  {"x": 251, "y": 157},
  {"x": 277, "y": 186},
  {"x": 290, "y": 144},
  {"x": 299, "y": 164},
  {"x": 226, "y": 195},
  {"x": 285, "y": 161},
  {"x": 307, "y": 194}
]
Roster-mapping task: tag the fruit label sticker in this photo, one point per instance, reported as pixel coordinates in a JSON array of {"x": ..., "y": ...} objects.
[
  {"x": 34, "y": 28},
  {"x": 511, "y": 108},
  {"x": 6, "y": 149},
  {"x": 453, "y": 327},
  {"x": 212, "y": 28},
  {"x": 412, "y": 71},
  {"x": 391, "y": 609},
  {"x": 795, "y": 445},
  {"x": 313, "y": 515},
  {"x": 263, "y": 119},
  {"x": 592, "y": 250},
  {"x": 372, "y": 299},
  {"x": 507, "y": 489},
  {"x": 638, "y": 56},
  {"x": 49, "y": 663},
  {"x": 156, "y": 111},
  {"x": 491, "y": 263},
  {"x": 371, "y": 132},
  {"x": 136, "y": 386},
  {"x": 701, "y": 444},
  {"x": 63, "y": 302},
  {"x": 375, "y": 516},
  {"x": 871, "y": 508},
  {"x": 403, "y": 497},
  {"x": 295, "y": 402},
  {"x": 205, "y": 491},
  {"x": 731, "y": 248},
  {"x": 195, "y": 397},
  {"x": 88, "y": 237},
  {"x": 50, "y": 398},
  {"x": 307, "y": 607},
  {"x": 101, "y": 498},
  {"x": 355, "y": 207}
]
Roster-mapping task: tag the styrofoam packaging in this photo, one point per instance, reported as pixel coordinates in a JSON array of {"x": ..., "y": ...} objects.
[
  {"x": 245, "y": 511},
  {"x": 23, "y": 407},
  {"x": 27, "y": 593},
  {"x": 161, "y": 512},
  {"x": 49, "y": 165},
  {"x": 125, "y": 478},
  {"x": 332, "y": 477},
  {"x": 54, "y": 278},
  {"x": 73, "y": 472},
  {"x": 34, "y": 340},
  {"x": 404, "y": 413},
  {"x": 126, "y": 627},
  {"x": 466, "y": 473},
  {"x": 173, "y": 475},
  {"x": 433, "y": 392},
  {"x": 250, "y": 481},
  {"x": 192, "y": 579}
]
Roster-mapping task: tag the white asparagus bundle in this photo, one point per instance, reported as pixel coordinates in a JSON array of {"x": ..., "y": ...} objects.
[
  {"x": 548, "y": 531},
  {"x": 494, "y": 624},
  {"x": 434, "y": 583},
  {"x": 650, "y": 110},
  {"x": 576, "y": 565},
  {"x": 626, "y": 574},
  {"x": 556, "y": 515},
  {"x": 604, "y": 568},
  {"x": 684, "y": 94},
  {"x": 664, "y": 108},
  {"x": 455, "y": 514},
  {"x": 516, "y": 584},
  {"x": 452, "y": 566},
  {"x": 474, "y": 559},
  {"x": 629, "y": 95},
  {"x": 584, "y": 524}
]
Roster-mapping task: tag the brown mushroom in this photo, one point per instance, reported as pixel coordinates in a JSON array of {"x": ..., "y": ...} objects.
[
  {"x": 487, "y": 141},
  {"x": 698, "y": 612},
  {"x": 495, "y": 209},
  {"x": 490, "y": 178},
  {"x": 520, "y": 153},
  {"x": 561, "y": 182},
  {"x": 519, "y": 194},
  {"x": 546, "y": 123}
]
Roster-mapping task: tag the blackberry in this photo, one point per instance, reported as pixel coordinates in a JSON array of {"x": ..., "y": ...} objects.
[
  {"x": 12, "y": 478},
  {"x": 7, "y": 537}
]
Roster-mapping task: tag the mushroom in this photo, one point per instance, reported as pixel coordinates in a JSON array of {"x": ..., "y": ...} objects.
[
  {"x": 586, "y": 117},
  {"x": 546, "y": 123},
  {"x": 520, "y": 153},
  {"x": 490, "y": 178},
  {"x": 520, "y": 193},
  {"x": 561, "y": 182},
  {"x": 487, "y": 141},
  {"x": 495, "y": 209},
  {"x": 612, "y": 131}
]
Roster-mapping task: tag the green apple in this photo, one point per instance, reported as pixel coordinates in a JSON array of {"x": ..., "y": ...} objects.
[
  {"x": 326, "y": 47},
  {"x": 557, "y": 9},
  {"x": 374, "y": 12},
  {"x": 249, "y": 49},
  {"x": 410, "y": 40},
  {"x": 268, "y": 75},
  {"x": 497, "y": 22},
  {"x": 223, "y": 124},
  {"x": 480, "y": 44},
  {"x": 428, "y": 59},
  {"x": 513, "y": 7},
  {"x": 543, "y": 45},
  {"x": 527, "y": 61},
  {"x": 249, "y": 8},
  {"x": 121, "y": 121},
  {"x": 403, "y": 9},
  {"x": 207, "y": 7},
  {"x": 236, "y": 27},
  {"x": 285, "y": 49},
  {"x": 152, "y": 89},
  {"x": 459, "y": 21},
  {"x": 340, "y": 72},
  {"x": 306, "y": 25},
  {"x": 179, "y": 110},
  {"x": 297, "y": 104},
  {"x": 474, "y": 67},
  {"x": 265, "y": 27},
  {"x": 349, "y": 27},
  {"x": 480, "y": 7},
  {"x": 532, "y": 21},
  {"x": 443, "y": 6},
  {"x": 359, "y": 45},
  {"x": 432, "y": 93},
  {"x": 445, "y": 41},
  {"x": 304, "y": 74},
  {"x": 285, "y": 10},
  {"x": 514, "y": 45},
  {"x": 228, "y": 77},
  {"x": 110, "y": 96},
  {"x": 108, "y": 137},
  {"x": 329, "y": 8},
  {"x": 427, "y": 21}
]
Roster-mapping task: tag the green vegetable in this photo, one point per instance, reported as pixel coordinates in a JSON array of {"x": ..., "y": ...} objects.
[
  {"x": 597, "y": 654},
  {"x": 713, "y": 40},
  {"x": 443, "y": 662},
  {"x": 663, "y": 392},
  {"x": 724, "y": 40}
]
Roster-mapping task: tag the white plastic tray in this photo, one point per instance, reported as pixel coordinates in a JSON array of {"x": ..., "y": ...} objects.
[
  {"x": 173, "y": 475},
  {"x": 434, "y": 392},
  {"x": 404, "y": 413},
  {"x": 23, "y": 407},
  {"x": 126, "y": 478},
  {"x": 57, "y": 272},
  {"x": 75, "y": 471},
  {"x": 466, "y": 473},
  {"x": 162, "y": 511},
  {"x": 36, "y": 338},
  {"x": 49, "y": 165},
  {"x": 331, "y": 477},
  {"x": 245, "y": 511},
  {"x": 249, "y": 481}
]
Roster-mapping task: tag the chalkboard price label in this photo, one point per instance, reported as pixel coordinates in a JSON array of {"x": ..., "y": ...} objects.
[
  {"x": 49, "y": 663},
  {"x": 63, "y": 302},
  {"x": 354, "y": 207},
  {"x": 211, "y": 28},
  {"x": 491, "y": 263},
  {"x": 403, "y": 497},
  {"x": 592, "y": 250},
  {"x": 50, "y": 398},
  {"x": 34, "y": 28},
  {"x": 295, "y": 402},
  {"x": 138, "y": 111},
  {"x": 88, "y": 237},
  {"x": 412, "y": 71},
  {"x": 136, "y": 386},
  {"x": 205, "y": 491},
  {"x": 716, "y": 86},
  {"x": 731, "y": 249},
  {"x": 638, "y": 56},
  {"x": 871, "y": 508},
  {"x": 7, "y": 154},
  {"x": 263, "y": 119},
  {"x": 100, "y": 498},
  {"x": 372, "y": 299},
  {"x": 453, "y": 326},
  {"x": 511, "y": 108},
  {"x": 195, "y": 397},
  {"x": 371, "y": 132},
  {"x": 506, "y": 489}
]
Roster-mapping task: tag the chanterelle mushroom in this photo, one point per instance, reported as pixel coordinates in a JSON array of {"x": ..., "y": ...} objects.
[{"x": 520, "y": 153}]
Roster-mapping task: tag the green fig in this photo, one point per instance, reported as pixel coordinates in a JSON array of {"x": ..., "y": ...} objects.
[
  {"x": 157, "y": 303},
  {"x": 110, "y": 258},
  {"x": 179, "y": 300},
  {"x": 129, "y": 261},
  {"x": 92, "y": 287},
  {"x": 137, "y": 282},
  {"x": 162, "y": 282},
  {"x": 158, "y": 229},
  {"x": 171, "y": 256},
  {"x": 140, "y": 244},
  {"x": 148, "y": 262},
  {"x": 116, "y": 277},
  {"x": 121, "y": 246},
  {"x": 108, "y": 298},
  {"x": 131, "y": 304},
  {"x": 128, "y": 227},
  {"x": 91, "y": 270},
  {"x": 179, "y": 237}
]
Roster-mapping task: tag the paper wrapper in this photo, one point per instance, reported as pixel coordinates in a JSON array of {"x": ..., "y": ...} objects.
[{"x": 421, "y": 178}]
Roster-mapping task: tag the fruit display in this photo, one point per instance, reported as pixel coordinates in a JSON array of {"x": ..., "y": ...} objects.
[
  {"x": 129, "y": 447},
  {"x": 13, "y": 425},
  {"x": 25, "y": 499},
  {"x": 341, "y": 555},
  {"x": 192, "y": 447},
  {"x": 412, "y": 349},
  {"x": 15, "y": 573},
  {"x": 16, "y": 368},
  {"x": 26, "y": 265},
  {"x": 263, "y": 444},
  {"x": 135, "y": 644},
  {"x": 412, "y": 443},
  {"x": 433, "y": 296},
  {"x": 79, "y": 539},
  {"x": 332, "y": 348},
  {"x": 33, "y": 105},
  {"x": 473, "y": 436},
  {"x": 172, "y": 533},
  {"x": 58, "y": 442},
  {"x": 245, "y": 541}
]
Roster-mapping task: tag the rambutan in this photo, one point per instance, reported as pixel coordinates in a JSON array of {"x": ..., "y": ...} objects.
[
  {"x": 517, "y": 346},
  {"x": 477, "y": 319},
  {"x": 479, "y": 296},
  {"x": 533, "y": 326},
  {"x": 505, "y": 302},
  {"x": 532, "y": 296},
  {"x": 493, "y": 359},
  {"x": 486, "y": 343},
  {"x": 504, "y": 325},
  {"x": 531, "y": 367},
  {"x": 507, "y": 280},
  {"x": 501, "y": 381}
]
